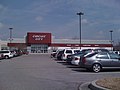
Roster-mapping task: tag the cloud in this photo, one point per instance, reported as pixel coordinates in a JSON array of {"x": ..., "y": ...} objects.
[
  {"x": 84, "y": 21},
  {"x": 111, "y": 4},
  {"x": 39, "y": 18},
  {"x": 2, "y": 8},
  {"x": 59, "y": 16},
  {"x": 42, "y": 7},
  {"x": 119, "y": 30},
  {"x": 100, "y": 32},
  {"x": 100, "y": 35},
  {"x": 1, "y": 25}
]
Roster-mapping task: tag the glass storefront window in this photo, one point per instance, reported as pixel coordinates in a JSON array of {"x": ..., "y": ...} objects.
[{"x": 42, "y": 48}]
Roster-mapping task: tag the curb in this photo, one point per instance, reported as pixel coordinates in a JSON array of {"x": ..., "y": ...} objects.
[
  {"x": 84, "y": 86},
  {"x": 94, "y": 86}
]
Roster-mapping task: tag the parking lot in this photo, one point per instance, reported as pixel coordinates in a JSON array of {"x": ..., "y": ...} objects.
[{"x": 40, "y": 72}]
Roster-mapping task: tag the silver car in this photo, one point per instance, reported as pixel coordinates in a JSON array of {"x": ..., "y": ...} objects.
[{"x": 98, "y": 61}]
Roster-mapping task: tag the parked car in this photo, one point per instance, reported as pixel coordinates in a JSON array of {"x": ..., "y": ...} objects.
[
  {"x": 98, "y": 61},
  {"x": 59, "y": 55},
  {"x": 75, "y": 58},
  {"x": 1, "y": 56},
  {"x": 6, "y": 54},
  {"x": 86, "y": 50},
  {"x": 100, "y": 50},
  {"x": 70, "y": 57},
  {"x": 67, "y": 52},
  {"x": 117, "y": 52},
  {"x": 53, "y": 54},
  {"x": 25, "y": 52}
]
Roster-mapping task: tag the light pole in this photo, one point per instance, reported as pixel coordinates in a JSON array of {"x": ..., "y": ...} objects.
[
  {"x": 111, "y": 31},
  {"x": 10, "y": 36},
  {"x": 80, "y": 14}
]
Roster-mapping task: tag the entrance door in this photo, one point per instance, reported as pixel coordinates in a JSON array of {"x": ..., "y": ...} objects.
[{"x": 41, "y": 48}]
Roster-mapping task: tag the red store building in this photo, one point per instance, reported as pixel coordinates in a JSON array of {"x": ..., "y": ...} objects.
[{"x": 38, "y": 42}]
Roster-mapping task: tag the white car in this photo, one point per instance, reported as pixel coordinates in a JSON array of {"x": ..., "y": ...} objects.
[
  {"x": 67, "y": 52},
  {"x": 6, "y": 54}
]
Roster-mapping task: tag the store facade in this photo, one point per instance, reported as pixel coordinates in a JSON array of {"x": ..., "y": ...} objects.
[
  {"x": 38, "y": 42},
  {"x": 41, "y": 42}
]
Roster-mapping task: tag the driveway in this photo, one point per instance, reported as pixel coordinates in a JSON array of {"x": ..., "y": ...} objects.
[{"x": 40, "y": 72}]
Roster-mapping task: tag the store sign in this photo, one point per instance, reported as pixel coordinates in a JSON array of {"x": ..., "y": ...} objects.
[{"x": 38, "y": 38}]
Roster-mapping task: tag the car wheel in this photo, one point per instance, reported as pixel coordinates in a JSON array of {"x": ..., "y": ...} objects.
[
  {"x": 6, "y": 57},
  {"x": 96, "y": 67}
]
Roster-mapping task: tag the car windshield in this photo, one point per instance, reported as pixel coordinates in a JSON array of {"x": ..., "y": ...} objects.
[
  {"x": 101, "y": 50},
  {"x": 86, "y": 51},
  {"x": 76, "y": 51},
  {"x": 78, "y": 54},
  {"x": 60, "y": 52},
  {"x": 68, "y": 51}
]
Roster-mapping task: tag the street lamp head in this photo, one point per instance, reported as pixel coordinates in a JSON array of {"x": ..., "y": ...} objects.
[
  {"x": 10, "y": 28},
  {"x": 80, "y": 13},
  {"x": 111, "y": 31}
]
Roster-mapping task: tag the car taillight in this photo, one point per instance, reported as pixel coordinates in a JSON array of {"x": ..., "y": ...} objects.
[
  {"x": 84, "y": 60},
  {"x": 69, "y": 56},
  {"x": 2, "y": 55},
  {"x": 76, "y": 58}
]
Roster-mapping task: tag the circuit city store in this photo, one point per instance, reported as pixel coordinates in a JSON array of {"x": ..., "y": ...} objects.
[{"x": 37, "y": 42}]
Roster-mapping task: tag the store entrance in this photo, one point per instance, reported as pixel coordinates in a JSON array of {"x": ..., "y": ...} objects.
[{"x": 41, "y": 48}]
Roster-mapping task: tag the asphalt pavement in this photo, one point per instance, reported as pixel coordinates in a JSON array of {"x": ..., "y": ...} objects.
[{"x": 40, "y": 72}]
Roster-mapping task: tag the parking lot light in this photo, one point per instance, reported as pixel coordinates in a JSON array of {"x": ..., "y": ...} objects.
[
  {"x": 10, "y": 38},
  {"x": 111, "y": 31},
  {"x": 80, "y": 14}
]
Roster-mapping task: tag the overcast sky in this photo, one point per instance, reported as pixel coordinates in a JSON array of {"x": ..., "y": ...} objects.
[{"x": 59, "y": 18}]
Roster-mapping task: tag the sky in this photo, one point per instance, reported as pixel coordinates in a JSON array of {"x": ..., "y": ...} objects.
[{"x": 60, "y": 18}]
